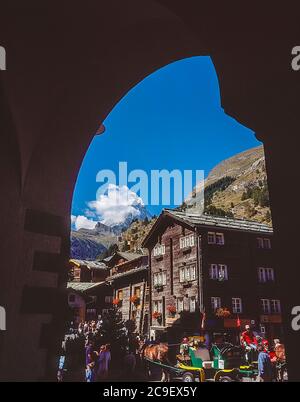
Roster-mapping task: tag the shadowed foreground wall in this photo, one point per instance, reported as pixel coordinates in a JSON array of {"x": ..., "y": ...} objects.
[{"x": 67, "y": 66}]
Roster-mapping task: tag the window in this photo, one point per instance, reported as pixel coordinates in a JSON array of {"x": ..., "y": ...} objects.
[
  {"x": 218, "y": 272},
  {"x": 263, "y": 242},
  {"x": 158, "y": 306},
  {"x": 187, "y": 273},
  {"x": 187, "y": 241},
  {"x": 160, "y": 278},
  {"x": 192, "y": 304},
  {"x": 260, "y": 242},
  {"x": 215, "y": 303},
  {"x": 270, "y": 306},
  {"x": 215, "y": 238},
  {"x": 211, "y": 238},
  {"x": 193, "y": 272},
  {"x": 159, "y": 249},
  {"x": 265, "y": 306},
  {"x": 220, "y": 238},
  {"x": 236, "y": 305},
  {"x": 137, "y": 291},
  {"x": 180, "y": 304},
  {"x": 275, "y": 306},
  {"x": 108, "y": 299},
  {"x": 265, "y": 275}
]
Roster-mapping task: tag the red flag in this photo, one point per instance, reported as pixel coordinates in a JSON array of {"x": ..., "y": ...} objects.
[
  {"x": 238, "y": 322},
  {"x": 203, "y": 320}
]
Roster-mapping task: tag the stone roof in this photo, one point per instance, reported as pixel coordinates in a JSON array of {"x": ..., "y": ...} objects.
[
  {"x": 215, "y": 221},
  {"x": 83, "y": 286},
  {"x": 209, "y": 222},
  {"x": 89, "y": 264},
  {"x": 129, "y": 256},
  {"x": 126, "y": 273}
]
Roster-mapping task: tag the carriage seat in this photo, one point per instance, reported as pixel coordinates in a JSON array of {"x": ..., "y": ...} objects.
[{"x": 200, "y": 357}]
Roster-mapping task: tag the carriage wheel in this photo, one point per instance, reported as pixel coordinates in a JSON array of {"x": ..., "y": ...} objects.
[
  {"x": 225, "y": 379},
  {"x": 188, "y": 377}
]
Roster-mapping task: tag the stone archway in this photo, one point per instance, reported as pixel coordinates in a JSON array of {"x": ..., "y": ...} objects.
[{"x": 66, "y": 69}]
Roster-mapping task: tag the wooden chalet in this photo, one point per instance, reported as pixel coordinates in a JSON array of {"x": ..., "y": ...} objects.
[
  {"x": 129, "y": 280},
  {"x": 88, "y": 292},
  {"x": 88, "y": 271},
  {"x": 88, "y": 300},
  {"x": 218, "y": 271}
]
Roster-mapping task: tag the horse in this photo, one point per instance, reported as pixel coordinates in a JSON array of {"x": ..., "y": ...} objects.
[{"x": 157, "y": 353}]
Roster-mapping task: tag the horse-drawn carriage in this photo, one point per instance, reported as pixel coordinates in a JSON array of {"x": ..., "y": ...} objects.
[
  {"x": 195, "y": 363},
  {"x": 222, "y": 363}
]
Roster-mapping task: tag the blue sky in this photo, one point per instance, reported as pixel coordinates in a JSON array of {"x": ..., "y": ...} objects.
[{"x": 170, "y": 120}]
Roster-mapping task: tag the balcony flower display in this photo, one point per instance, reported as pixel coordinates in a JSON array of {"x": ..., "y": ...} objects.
[
  {"x": 157, "y": 316},
  {"x": 135, "y": 300},
  {"x": 171, "y": 310},
  {"x": 117, "y": 302}
]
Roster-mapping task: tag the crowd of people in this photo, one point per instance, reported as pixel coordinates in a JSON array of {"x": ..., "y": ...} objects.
[
  {"x": 271, "y": 358},
  {"x": 84, "y": 347}
]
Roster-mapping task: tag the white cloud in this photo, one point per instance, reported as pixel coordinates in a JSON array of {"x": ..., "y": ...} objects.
[
  {"x": 113, "y": 207},
  {"x": 82, "y": 222}
]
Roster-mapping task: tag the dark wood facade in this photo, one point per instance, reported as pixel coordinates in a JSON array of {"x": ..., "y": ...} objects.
[
  {"x": 129, "y": 281},
  {"x": 201, "y": 264}
]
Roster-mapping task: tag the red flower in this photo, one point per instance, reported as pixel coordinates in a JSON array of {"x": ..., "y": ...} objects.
[
  {"x": 171, "y": 309},
  {"x": 116, "y": 302},
  {"x": 156, "y": 315},
  {"x": 134, "y": 299}
]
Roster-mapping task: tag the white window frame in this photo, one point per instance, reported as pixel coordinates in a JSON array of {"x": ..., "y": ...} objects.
[
  {"x": 266, "y": 275},
  {"x": 180, "y": 304},
  {"x": 260, "y": 242},
  {"x": 221, "y": 236},
  {"x": 158, "y": 306},
  {"x": 264, "y": 242},
  {"x": 187, "y": 273},
  {"x": 159, "y": 250},
  {"x": 215, "y": 271},
  {"x": 215, "y": 302},
  {"x": 160, "y": 278},
  {"x": 181, "y": 274},
  {"x": 237, "y": 305},
  {"x": 275, "y": 306},
  {"x": 192, "y": 304},
  {"x": 193, "y": 273},
  {"x": 187, "y": 241},
  {"x": 211, "y": 238},
  {"x": 265, "y": 306}
]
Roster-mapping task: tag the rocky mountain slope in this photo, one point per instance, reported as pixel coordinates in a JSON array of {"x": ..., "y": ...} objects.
[
  {"x": 237, "y": 187},
  {"x": 89, "y": 244}
]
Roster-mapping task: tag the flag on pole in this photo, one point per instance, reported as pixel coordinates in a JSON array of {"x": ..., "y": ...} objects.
[{"x": 203, "y": 320}]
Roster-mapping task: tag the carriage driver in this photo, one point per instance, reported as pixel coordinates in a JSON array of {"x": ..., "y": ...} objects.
[{"x": 248, "y": 340}]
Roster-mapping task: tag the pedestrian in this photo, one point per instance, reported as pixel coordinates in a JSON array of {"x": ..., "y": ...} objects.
[
  {"x": 265, "y": 371},
  {"x": 103, "y": 362},
  {"x": 90, "y": 371},
  {"x": 129, "y": 364}
]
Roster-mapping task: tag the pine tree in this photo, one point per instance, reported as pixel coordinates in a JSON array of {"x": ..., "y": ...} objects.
[{"x": 113, "y": 331}]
